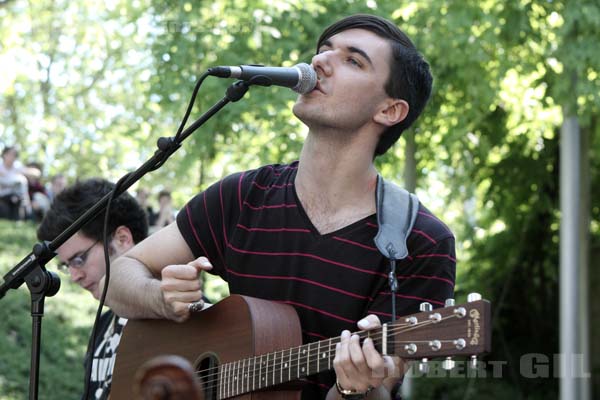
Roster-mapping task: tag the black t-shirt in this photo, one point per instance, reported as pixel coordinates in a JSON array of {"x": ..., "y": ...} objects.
[
  {"x": 253, "y": 229},
  {"x": 103, "y": 354}
]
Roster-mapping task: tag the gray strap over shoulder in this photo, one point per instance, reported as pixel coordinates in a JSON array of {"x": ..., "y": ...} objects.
[{"x": 396, "y": 214}]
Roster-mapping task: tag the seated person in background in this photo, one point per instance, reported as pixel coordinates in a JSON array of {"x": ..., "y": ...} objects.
[
  {"x": 142, "y": 198},
  {"x": 57, "y": 185},
  {"x": 166, "y": 213},
  {"x": 37, "y": 192},
  {"x": 82, "y": 257},
  {"x": 14, "y": 196}
]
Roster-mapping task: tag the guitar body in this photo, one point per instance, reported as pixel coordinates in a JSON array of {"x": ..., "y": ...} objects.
[{"x": 235, "y": 328}]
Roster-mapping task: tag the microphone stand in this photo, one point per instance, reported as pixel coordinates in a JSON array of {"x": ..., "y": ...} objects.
[{"x": 31, "y": 269}]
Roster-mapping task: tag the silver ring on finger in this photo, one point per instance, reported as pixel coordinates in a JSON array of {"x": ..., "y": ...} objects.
[{"x": 196, "y": 306}]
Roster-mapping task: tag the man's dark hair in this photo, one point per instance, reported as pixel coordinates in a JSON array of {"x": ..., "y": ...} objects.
[
  {"x": 6, "y": 149},
  {"x": 164, "y": 193},
  {"x": 72, "y": 202},
  {"x": 410, "y": 78}
]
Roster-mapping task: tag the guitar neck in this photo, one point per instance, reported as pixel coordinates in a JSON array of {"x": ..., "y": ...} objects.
[
  {"x": 260, "y": 372},
  {"x": 454, "y": 330}
]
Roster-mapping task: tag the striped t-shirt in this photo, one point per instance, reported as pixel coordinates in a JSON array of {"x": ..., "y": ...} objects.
[{"x": 259, "y": 239}]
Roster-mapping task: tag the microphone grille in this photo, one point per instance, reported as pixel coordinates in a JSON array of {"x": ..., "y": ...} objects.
[{"x": 307, "y": 80}]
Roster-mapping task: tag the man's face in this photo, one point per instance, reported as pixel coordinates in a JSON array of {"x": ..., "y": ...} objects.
[
  {"x": 10, "y": 157},
  {"x": 83, "y": 258},
  {"x": 353, "y": 67}
]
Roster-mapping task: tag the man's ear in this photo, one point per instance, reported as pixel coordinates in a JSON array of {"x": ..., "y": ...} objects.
[
  {"x": 123, "y": 239},
  {"x": 392, "y": 112}
]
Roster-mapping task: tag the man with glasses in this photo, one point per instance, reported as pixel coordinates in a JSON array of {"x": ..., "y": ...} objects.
[{"x": 82, "y": 257}]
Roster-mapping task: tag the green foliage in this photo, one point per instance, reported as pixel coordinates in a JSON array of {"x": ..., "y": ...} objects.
[{"x": 65, "y": 328}]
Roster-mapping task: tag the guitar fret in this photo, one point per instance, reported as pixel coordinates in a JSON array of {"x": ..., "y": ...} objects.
[
  {"x": 289, "y": 366},
  {"x": 261, "y": 378},
  {"x": 237, "y": 379},
  {"x": 242, "y": 376},
  {"x": 266, "y": 378},
  {"x": 274, "y": 365},
  {"x": 329, "y": 354},
  {"x": 254, "y": 375},
  {"x": 229, "y": 380},
  {"x": 308, "y": 361},
  {"x": 318, "y": 356},
  {"x": 225, "y": 381},
  {"x": 281, "y": 367},
  {"x": 220, "y": 383},
  {"x": 298, "y": 356}
]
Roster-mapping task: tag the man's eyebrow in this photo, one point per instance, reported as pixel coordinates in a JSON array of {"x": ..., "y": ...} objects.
[
  {"x": 74, "y": 256},
  {"x": 351, "y": 49}
]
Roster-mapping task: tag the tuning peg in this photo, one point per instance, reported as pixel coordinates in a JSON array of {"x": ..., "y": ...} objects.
[
  {"x": 435, "y": 345},
  {"x": 425, "y": 306},
  {"x": 473, "y": 363},
  {"x": 411, "y": 348},
  {"x": 435, "y": 317},
  {"x": 460, "y": 312},
  {"x": 448, "y": 364},
  {"x": 449, "y": 302},
  {"x": 424, "y": 366},
  {"x": 460, "y": 343},
  {"x": 473, "y": 297}
]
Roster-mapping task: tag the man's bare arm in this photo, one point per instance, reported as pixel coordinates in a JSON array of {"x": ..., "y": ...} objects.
[{"x": 135, "y": 282}]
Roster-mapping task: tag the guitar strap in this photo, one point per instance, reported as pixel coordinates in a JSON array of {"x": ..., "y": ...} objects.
[{"x": 396, "y": 214}]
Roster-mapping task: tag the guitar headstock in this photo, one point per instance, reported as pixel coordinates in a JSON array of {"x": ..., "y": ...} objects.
[{"x": 454, "y": 330}]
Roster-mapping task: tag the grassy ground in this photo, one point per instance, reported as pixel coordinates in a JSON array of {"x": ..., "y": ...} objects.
[{"x": 65, "y": 329}]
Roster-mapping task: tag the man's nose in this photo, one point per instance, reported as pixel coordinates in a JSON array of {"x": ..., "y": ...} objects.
[
  {"x": 77, "y": 274},
  {"x": 322, "y": 63}
]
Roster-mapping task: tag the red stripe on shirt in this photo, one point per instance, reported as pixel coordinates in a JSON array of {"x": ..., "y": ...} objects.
[
  {"x": 293, "y": 303},
  {"x": 189, "y": 217},
  {"x": 404, "y": 296},
  {"x": 261, "y": 187},
  {"x": 301, "y": 230},
  {"x": 212, "y": 232},
  {"x": 436, "y": 256},
  {"x": 294, "y": 278},
  {"x": 240, "y": 189},
  {"x": 250, "y": 206},
  {"x": 432, "y": 240},
  {"x": 448, "y": 281},
  {"x": 294, "y": 254},
  {"x": 364, "y": 246}
]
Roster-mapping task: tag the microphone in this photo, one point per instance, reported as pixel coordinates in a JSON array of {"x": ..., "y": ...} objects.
[{"x": 301, "y": 78}]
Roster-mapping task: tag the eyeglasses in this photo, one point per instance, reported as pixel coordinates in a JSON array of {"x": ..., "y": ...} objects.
[{"x": 77, "y": 261}]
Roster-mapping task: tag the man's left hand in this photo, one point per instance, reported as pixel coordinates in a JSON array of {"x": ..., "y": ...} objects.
[{"x": 361, "y": 367}]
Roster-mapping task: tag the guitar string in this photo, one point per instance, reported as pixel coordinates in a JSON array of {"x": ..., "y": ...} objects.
[
  {"x": 362, "y": 335},
  {"x": 276, "y": 368},
  {"x": 234, "y": 369}
]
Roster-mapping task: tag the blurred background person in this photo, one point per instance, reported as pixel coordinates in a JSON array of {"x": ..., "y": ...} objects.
[
  {"x": 57, "y": 185},
  {"x": 166, "y": 212},
  {"x": 142, "y": 196},
  {"x": 14, "y": 197},
  {"x": 37, "y": 191}
]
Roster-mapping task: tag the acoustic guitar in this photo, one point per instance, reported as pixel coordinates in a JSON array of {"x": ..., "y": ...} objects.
[{"x": 248, "y": 348}]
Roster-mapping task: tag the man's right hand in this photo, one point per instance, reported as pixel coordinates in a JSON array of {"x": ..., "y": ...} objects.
[{"x": 181, "y": 285}]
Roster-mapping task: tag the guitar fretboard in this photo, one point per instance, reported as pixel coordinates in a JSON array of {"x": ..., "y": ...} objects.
[{"x": 283, "y": 366}]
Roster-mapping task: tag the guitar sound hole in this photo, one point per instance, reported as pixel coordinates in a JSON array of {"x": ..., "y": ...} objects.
[{"x": 207, "y": 372}]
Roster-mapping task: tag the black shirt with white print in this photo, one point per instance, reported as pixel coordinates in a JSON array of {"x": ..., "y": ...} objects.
[{"x": 103, "y": 355}]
